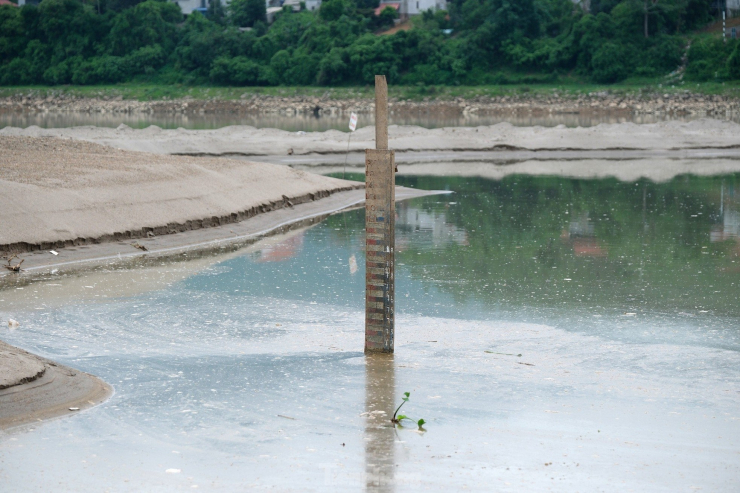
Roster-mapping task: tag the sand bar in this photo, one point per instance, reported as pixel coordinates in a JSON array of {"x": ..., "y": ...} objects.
[
  {"x": 34, "y": 388},
  {"x": 250, "y": 141}
]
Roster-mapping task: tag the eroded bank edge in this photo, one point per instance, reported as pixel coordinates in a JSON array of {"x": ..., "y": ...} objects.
[{"x": 171, "y": 228}]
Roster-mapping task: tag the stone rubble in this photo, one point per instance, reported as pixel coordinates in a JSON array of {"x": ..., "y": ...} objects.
[{"x": 677, "y": 104}]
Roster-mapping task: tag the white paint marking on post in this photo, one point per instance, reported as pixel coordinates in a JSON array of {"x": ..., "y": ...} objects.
[{"x": 353, "y": 122}]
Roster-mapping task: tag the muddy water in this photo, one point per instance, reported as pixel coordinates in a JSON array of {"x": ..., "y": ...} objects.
[{"x": 556, "y": 334}]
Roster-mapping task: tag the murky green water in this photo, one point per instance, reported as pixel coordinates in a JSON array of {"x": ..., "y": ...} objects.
[{"x": 535, "y": 247}]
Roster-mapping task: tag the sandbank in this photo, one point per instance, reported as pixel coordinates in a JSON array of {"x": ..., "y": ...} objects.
[
  {"x": 251, "y": 141},
  {"x": 626, "y": 151},
  {"x": 34, "y": 388}
]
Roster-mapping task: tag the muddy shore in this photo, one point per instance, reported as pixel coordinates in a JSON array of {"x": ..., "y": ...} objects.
[
  {"x": 33, "y": 388},
  {"x": 683, "y": 104}
]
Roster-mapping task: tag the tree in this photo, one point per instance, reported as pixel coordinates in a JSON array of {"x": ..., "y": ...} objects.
[
  {"x": 656, "y": 8},
  {"x": 244, "y": 13},
  {"x": 387, "y": 16},
  {"x": 332, "y": 10},
  {"x": 216, "y": 12},
  {"x": 610, "y": 63},
  {"x": 733, "y": 63}
]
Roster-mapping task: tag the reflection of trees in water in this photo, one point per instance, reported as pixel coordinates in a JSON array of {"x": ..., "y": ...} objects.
[
  {"x": 638, "y": 244},
  {"x": 380, "y": 389}
]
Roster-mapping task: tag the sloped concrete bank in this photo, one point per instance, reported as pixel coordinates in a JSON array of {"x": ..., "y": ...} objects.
[{"x": 61, "y": 193}]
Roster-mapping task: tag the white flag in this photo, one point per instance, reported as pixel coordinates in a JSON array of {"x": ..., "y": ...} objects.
[{"x": 353, "y": 122}]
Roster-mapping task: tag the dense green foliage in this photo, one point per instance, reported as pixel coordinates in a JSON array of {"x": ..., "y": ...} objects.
[{"x": 491, "y": 42}]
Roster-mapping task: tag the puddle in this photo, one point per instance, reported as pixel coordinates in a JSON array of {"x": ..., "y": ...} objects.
[{"x": 245, "y": 371}]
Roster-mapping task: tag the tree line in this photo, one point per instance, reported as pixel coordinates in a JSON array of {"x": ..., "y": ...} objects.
[{"x": 473, "y": 42}]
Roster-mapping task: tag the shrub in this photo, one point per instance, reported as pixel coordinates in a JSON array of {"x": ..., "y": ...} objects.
[
  {"x": 332, "y": 10},
  {"x": 707, "y": 59},
  {"x": 245, "y": 13},
  {"x": 610, "y": 64}
]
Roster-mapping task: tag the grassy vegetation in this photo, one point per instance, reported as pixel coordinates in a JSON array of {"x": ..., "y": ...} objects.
[{"x": 571, "y": 88}]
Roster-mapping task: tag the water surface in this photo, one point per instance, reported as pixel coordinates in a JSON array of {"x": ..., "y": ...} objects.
[{"x": 556, "y": 334}]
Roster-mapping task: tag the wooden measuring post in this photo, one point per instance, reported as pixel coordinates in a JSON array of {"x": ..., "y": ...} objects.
[{"x": 380, "y": 242}]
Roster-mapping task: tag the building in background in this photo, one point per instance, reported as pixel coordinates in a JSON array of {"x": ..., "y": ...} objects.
[
  {"x": 273, "y": 6},
  {"x": 407, "y": 8},
  {"x": 189, "y": 6}
]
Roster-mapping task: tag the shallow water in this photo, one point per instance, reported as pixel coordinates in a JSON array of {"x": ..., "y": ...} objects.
[
  {"x": 308, "y": 123},
  {"x": 556, "y": 334}
]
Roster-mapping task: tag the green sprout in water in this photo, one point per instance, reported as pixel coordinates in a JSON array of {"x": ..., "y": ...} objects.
[{"x": 398, "y": 418}]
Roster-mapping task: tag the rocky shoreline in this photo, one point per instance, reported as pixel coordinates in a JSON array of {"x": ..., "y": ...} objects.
[{"x": 684, "y": 104}]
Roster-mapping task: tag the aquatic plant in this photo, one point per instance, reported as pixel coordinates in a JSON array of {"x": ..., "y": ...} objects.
[{"x": 398, "y": 418}]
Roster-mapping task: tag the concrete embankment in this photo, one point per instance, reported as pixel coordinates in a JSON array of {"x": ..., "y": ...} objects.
[
  {"x": 674, "y": 104},
  {"x": 59, "y": 193}
]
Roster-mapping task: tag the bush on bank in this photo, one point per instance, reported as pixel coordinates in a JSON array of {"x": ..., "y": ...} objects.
[{"x": 491, "y": 42}]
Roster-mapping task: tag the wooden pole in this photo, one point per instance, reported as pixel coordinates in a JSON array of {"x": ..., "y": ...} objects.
[
  {"x": 380, "y": 215},
  {"x": 381, "y": 112}
]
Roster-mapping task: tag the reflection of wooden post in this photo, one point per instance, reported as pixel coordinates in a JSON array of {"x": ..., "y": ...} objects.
[
  {"x": 380, "y": 215},
  {"x": 380, "y": 435}
]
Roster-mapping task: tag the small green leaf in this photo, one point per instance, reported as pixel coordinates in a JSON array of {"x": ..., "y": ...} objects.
[
  {"x": 407, "y": 394},
  {"x": 421, "y": 423},
  {"x": 402, "y": 417}
]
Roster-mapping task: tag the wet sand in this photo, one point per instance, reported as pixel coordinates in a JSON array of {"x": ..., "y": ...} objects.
[{"x": 33, "y": 388}]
